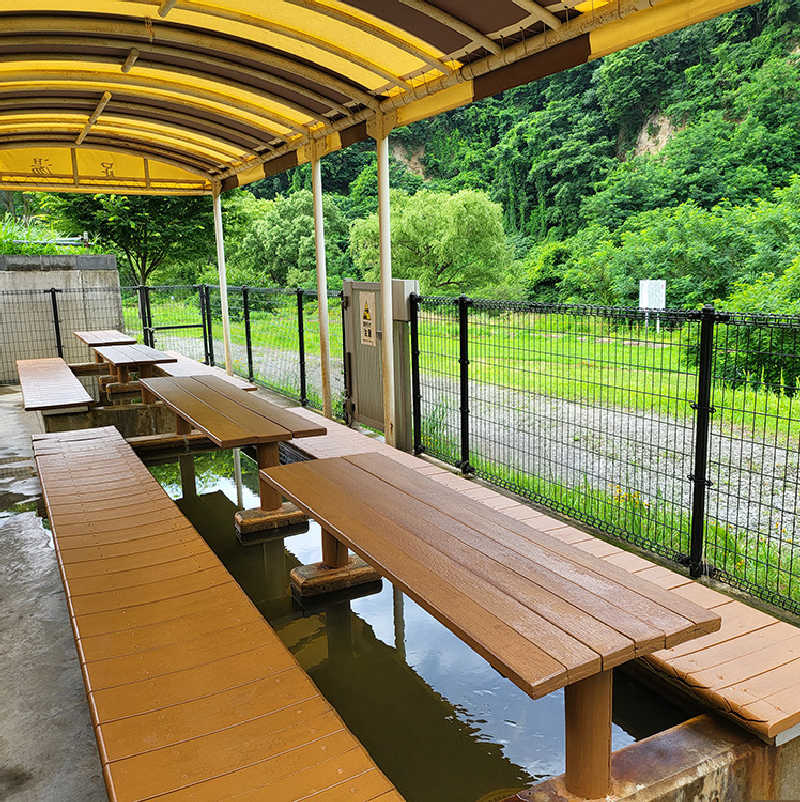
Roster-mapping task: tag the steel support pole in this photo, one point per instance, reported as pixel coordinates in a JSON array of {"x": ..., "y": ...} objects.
[
  {"x": 387, "y": 323},
  {"x": 226, "y": 323},
  {"x": 56, "y": 322},
  {"x": 223, "y": 279},
  {"x": 322, "y": 290}
]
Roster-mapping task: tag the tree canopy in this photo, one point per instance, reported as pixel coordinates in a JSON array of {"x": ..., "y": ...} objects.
[{"x": 450, "y": 243}]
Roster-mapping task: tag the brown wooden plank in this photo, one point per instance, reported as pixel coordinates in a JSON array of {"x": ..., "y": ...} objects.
[
  {"x": 104, "y": 337},
  {"x": 297, "y": 425},
  {"x": 128, "y": 355},
  {"x": 554, "y": 622},
  {"x": 217, "y": 427},
  {"x": 652, "y": 606},
  {"x": 49, "y": 384},
  {"x": 374, "y": 538},
  {"x": 227, "y": 400}
]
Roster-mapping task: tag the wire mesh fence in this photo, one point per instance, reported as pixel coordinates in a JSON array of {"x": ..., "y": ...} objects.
[
  {"x": 38, "y": 323},
  {"x": 598, "y": 414}
]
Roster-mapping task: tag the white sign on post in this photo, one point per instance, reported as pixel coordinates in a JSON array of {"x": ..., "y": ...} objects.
[
  {"x": 366, "y": 305},
  {"x": 652, "y": 295}
]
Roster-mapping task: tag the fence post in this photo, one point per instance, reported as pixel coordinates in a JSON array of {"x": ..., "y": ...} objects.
[
  {"x": 209, "y": 323},
  {"x": 463, "y": 361},
  {"x": 201, "y": 299},
  {"x": 149, "y": 310},
  {"x": 248, "y": 341},
  {"x": 703, "y": 410},
  {"x": 144, "y": 312},
  {"x": 301, "y": 346},
  {"x": 416, "y": 395},
  {"x": 56, "y": 322}
]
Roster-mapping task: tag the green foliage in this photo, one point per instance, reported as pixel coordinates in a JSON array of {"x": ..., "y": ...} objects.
[
  {"x": 271, "y": 242},
  {"x": 450, "y": 243},
  {"x": 147, "y": 232},
  {"x": 29, "y": 237},
  {"x": 703, "y": 254}
]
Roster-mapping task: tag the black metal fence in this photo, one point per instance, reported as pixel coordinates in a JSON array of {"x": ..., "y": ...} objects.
[
  {"x": 274, "y": 333},
  {"x": 36, "y": 323},
  {"x": 677, "y": 431}
]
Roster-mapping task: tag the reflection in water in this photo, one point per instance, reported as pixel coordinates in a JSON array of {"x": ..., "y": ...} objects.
[{"x": 440, "y": 722}]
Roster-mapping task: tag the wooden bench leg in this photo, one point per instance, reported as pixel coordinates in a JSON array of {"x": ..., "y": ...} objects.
[
  {"x": 275, "y": 516},
  {"x": 587, "y": 713},
  {"x": 182, "y": 426},
  {"x": 268, "y": 456},
  {"x": 334, "y": 552},
  {"x": 188, "y": 482}
]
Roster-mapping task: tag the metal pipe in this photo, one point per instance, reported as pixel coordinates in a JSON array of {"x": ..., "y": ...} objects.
[
  {"x": 322, "y": 290},
  {"x": 387, "y": 338}
]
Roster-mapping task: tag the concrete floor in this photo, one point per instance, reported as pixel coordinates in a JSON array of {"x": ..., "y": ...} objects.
[{"x": 47, "y": 745}]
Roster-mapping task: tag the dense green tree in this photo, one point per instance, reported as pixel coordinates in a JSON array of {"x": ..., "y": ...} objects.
[
  {"x": 148, "y": 232},
  {"x": 450, "y": 243},
  {"x": 271, "y": 242}
]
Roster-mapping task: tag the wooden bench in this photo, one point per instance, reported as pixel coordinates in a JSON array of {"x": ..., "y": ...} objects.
[
  {"x": 184, "y": 366},
  {"x": 192, "y": 694},
  {"x": 49, "y": 385},
  {"x": 544, "y": 614}
]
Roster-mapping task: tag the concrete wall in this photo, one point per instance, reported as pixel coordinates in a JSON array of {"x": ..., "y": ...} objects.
[
  {"x": 705, "y": 759},
  {"x": 89, "y": 298}
]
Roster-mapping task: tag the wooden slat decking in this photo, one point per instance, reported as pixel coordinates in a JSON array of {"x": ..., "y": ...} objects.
[
  {"x": 104, "y": 337},
  {"x": 184, "y": 366},
  {"x": 132, "y": 355},
  {"x": 226, "y": 415},
  {"x": 543, "y": 613},
  {"x": 749, "y": 669},
  {"x": 192, "y": 694},
  {"x": 49, "y": 384}
]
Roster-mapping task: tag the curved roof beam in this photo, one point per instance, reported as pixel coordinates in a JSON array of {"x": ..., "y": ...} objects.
[
  {"x": 473, "y": 34},
  {"x": 374, "y": 30},
  {"x": 81, "y": 79},
  {"x": 136, "y": 77},
  {"x": 173, "y": 36},
  {"x": 181, "y": 120},
  {"x": 295, "y": 34},
  {"x": 19, "y": 122}
]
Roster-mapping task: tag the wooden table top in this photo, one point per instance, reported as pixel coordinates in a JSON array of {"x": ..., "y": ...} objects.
[
  {"x": 137, "y": 354},
  {"x": 104, "y": 337},
  {"x": 543, "y": 613},
  {"x": 228, "y": 416}
]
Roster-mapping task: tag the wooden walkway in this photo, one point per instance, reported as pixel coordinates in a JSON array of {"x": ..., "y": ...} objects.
[
  {"x": 749, "y": 669},
  {"x": 192, "y": 694}
]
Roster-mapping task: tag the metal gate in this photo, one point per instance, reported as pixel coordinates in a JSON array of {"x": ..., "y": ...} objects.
[{"x": 178, "y": 318}]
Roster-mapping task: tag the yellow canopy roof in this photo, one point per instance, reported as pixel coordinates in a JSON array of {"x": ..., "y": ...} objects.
[{"x": 180, "y": 96}]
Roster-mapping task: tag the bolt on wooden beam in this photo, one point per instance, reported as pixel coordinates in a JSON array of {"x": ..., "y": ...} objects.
[{"x": 130, "y": 60}]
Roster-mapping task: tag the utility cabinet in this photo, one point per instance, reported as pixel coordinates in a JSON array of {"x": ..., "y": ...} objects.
[{"x": 363, "y": 365}]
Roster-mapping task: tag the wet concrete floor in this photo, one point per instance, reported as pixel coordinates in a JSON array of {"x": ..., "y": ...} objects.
[{"x": 47, "y": 745}]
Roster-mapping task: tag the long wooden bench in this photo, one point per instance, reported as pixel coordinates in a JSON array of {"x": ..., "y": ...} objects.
[
  {"x": 192, "y": 694},
  {"x": 544, "y": 614},
  {"x": 184, "y": 366},
  {"x": 49, "y": 384}
]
